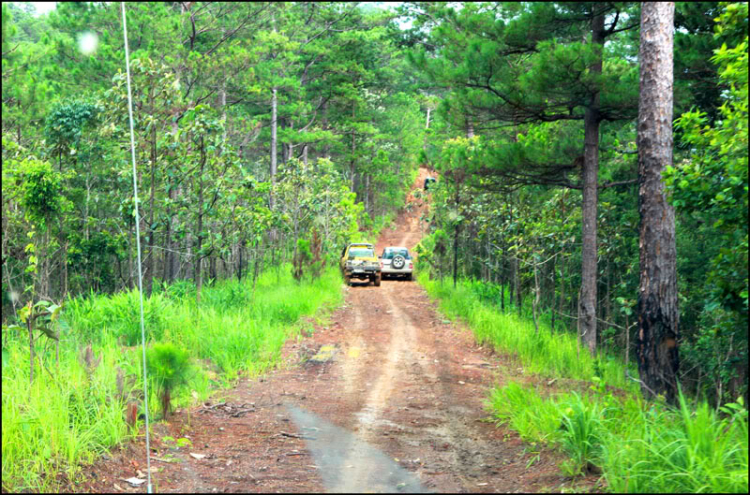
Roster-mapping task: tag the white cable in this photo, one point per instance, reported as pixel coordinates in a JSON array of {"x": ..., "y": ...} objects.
[{"x": 138, "y": 244}]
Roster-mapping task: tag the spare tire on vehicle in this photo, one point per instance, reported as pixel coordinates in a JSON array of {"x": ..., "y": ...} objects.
[{"x": 398, "y": 262}]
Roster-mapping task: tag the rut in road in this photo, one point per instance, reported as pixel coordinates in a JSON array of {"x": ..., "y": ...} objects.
[{"x": 398, "y": 406}]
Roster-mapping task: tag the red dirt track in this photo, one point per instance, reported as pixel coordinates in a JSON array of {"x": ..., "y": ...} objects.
[{"x": 398, "y": 407}]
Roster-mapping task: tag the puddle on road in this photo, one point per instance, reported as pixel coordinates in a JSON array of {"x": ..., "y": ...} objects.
[{"x": 348, "y": 464}]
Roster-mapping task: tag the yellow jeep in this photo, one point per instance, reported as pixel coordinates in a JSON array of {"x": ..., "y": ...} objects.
[{"x": 358, "y": 261}]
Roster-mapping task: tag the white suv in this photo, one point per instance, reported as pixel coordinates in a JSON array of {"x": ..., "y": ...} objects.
[{"x": 396, "y": 262}]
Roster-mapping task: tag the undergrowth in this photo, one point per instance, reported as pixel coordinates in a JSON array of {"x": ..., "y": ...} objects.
[
  {"x": 553, "y": 354},
  {"x": 73, "y": 412},
  {"x": 637, "y": 447}
]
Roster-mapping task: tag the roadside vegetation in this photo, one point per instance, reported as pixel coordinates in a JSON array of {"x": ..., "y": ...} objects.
[
  {"x": 267, "y": 137},
  {"x": 605, "y": 429},
  {"x": 80, "y": 404},
  {"x": 541, "y": 241}
]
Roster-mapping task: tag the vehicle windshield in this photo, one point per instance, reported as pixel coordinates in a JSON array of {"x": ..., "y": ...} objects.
[
  {"x": 361, "y": 253},
  {"x": 389, "y": 254}
]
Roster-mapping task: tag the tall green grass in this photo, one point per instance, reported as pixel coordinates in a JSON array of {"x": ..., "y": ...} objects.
[
  {"x": 638, "y": 447},
  {"x": 545, "y": 352},
  {"x": 66, "y": 419}
]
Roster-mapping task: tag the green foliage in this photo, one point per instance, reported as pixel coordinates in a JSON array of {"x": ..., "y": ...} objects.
[
  {"x": 583, "y": 426},
  {"x": 168, "y": 368},
  {"x": 66, "y": 125},
  {"x": 67, "y": 418},
  {"x": 711, "y": 186},
  {"x": 63, "y": 419},
  {"x": 639, "y": 448},
  {"x": 40, "y": 189},
  {"x": 547, "y": 353}
]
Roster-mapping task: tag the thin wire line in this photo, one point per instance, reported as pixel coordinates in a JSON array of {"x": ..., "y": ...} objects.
[{"x": 138, "y": 243}]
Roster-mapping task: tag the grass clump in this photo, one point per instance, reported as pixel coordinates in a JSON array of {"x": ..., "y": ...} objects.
[
  {"x": 637, "y": 447},
  {"x": 547, "y": 353},
  {"x": 66, "y": 417},
  {"x": 74, "y": 412},
  {"x": 688, "y": 451}
]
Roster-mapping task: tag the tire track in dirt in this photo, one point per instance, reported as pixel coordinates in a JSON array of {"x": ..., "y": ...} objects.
[{"x": 398, "y": 406}]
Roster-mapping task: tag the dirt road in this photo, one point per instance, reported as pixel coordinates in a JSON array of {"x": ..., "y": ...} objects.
[{"x": 388, "y": 397}]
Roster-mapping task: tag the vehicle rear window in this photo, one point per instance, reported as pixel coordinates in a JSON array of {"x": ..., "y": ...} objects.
[
  {"x": 361, "y": 253},
  {"x": 391, "y": 253}
]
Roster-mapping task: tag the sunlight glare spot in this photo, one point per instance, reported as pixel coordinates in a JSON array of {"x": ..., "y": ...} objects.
[{"x": 87, "y": 42}]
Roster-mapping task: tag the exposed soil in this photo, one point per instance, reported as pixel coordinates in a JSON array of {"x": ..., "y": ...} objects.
[{"x": 388, "y": 397}]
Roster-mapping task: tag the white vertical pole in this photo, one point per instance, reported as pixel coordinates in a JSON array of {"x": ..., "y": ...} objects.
[{"x": 138, "y": 244}]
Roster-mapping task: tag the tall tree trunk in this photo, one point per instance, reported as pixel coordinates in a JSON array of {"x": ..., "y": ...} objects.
[
  {"x": 535, "y": 302},
  {"x": 455, "y": 236},
  {"x": 517, "y": 283},
  {"x": 239, "y": 265},
  {"x": 148, "y": 281},
  {"x": 554, "y": 292},
  {"x": 172, "y": 243},
  {"x": 658, "y": 316},
  {"x": 562, "y": 259},
  {"x": 352, "y": 164},
  {"x": 29, "y": 323},
  {"x": 199, "y": 234},
  {"x": 130, "y": 257},
  {"x": 587, "y": 302},
  {"x": 503, "y": 279},
  {"x": 212, "y": 267},
  {"x": 324, "y": 126}
]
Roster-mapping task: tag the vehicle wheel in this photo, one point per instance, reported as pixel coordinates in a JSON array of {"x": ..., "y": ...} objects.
[
  {"x": 409, "y": 277},
  {"x": 377, "y": 279},
  {"x": 398, "y": 262},
  {"x": 348, "y": 280}
]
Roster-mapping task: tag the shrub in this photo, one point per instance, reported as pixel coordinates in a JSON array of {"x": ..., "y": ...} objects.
[{"x": 168, "y": 367}]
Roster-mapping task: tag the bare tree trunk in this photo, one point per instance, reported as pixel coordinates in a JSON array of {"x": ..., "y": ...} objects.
[
  {"x": 554, "y": 291},
  {"x": 352, "y": 163},
  {"x": 658, "y": 316},
  {"x": 199, "y": 236},
  {"x": 172, "y": 244},
  {"x": 587, "y": 302},
  {"x": 455, "y": 235},
  {"x": 517, "y": 283},
  {"x": 535, "y": 304},
  {"x": 324, "y": 126},
  {"x": 239, "y": 265},
  {"x": 150, "y": 260},
  {"x": 130, "y": 257},
  {"x": 212, "y": 267},
  {"x": 29, "y": 322}
]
